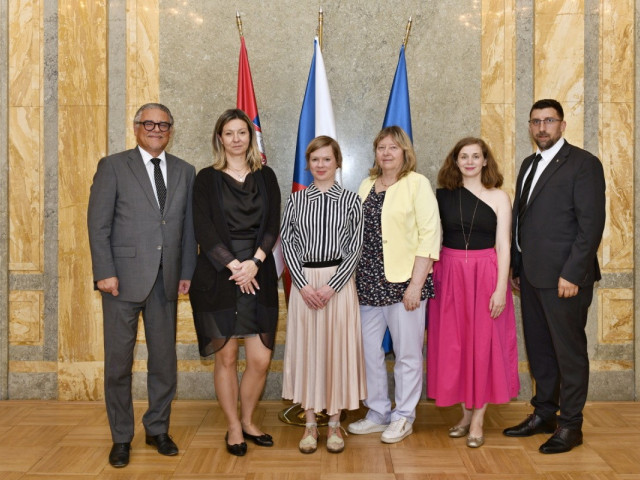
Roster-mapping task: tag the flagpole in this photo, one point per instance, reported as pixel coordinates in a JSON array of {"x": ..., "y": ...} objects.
[
  {"x": 319, "y": 30},
  {"x": 239, "y": 23},
  {"x": 406, "y": 34}
]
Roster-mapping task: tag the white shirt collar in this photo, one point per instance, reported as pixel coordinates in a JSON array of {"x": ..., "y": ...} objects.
[
  {"x": 146, "y": 156},
  {"x": 549, "y": 154}
]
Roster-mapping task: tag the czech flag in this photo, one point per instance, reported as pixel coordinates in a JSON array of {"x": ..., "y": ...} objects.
[
  {"x": 398, "y": 113},
  {"x": 316, "y": 117}
]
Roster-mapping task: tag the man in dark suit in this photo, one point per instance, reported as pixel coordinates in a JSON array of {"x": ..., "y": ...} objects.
[
  {"x": 143, "y": 251},
  {"x": 558, "y": 219}
]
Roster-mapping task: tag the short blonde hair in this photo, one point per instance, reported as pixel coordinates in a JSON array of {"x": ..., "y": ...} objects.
[
  {"x": 324, "y": 141},
  {"x": 400, "y": 138}
]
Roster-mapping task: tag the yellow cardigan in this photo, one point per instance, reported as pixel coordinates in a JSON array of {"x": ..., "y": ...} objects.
[{"x": 410, "y": 224}]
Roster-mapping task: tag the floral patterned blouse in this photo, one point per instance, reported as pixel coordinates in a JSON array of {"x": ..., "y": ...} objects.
[{"x": 373, "y": 288}]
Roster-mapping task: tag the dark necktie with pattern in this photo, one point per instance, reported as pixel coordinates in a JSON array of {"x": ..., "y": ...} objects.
[
  {"x": 524, "y": 194},
  {"x": 161, "y": 189}
]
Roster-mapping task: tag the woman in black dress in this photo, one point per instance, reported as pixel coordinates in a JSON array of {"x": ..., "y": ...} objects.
[{"x": 234, "y": 292}]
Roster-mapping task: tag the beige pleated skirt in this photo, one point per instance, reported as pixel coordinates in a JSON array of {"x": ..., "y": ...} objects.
[{"x": 324, "y": 359}]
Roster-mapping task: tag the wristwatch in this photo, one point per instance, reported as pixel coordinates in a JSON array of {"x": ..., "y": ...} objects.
[{"x": 257, "y": 261}]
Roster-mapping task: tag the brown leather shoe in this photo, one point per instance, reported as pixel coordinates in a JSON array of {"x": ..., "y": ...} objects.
[
  {"x": 563, "y": 440},
  {"x": 531, "y": 425}
]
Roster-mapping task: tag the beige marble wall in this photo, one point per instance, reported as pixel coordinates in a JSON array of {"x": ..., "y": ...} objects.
[
  {"x": 466, "y": 71},
  {"x": 498, "y": 100},
  {"x": 82, "y": 133}
]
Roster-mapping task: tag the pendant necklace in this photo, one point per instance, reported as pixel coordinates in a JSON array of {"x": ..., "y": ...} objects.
[
  {"x": 239, "y": 175},
  {"x": 466, "y": 237}
]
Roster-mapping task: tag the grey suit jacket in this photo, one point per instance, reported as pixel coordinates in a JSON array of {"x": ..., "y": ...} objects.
[{"x": 127, "y": 233}]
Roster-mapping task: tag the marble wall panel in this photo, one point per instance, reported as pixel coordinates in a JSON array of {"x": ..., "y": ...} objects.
[
  {"x": 559, "y": 60},
  {"x": 26, "y": 189},
  {"x": 82, "y": 130},
  {"x": 617, "y": 131},
  {"x": 142, "y": 58},
  {"x": 25, "y": 52},
  {"x": 26, "y": 315},
  {"x": 498, "y": 85},
  {"x": 615, "y": 315},
  {"x": 25, "y": 96},
  {"x": 199, "y": 48},
  {"x": 80, "y": 381}
]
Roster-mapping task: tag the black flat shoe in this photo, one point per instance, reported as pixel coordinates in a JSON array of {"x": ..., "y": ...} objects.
[
  {"x": 119, "y": 455},
  {"x": 238, "y": 449},
  {"x": 264, "y": 440},
  {"x": 163, "y": 443}
]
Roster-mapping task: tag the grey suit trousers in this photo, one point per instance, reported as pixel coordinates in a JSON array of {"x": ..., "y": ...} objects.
[{"x": 120, "y": 331}]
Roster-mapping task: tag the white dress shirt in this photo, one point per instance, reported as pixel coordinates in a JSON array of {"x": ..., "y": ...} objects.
[{"x": 146, "y": 158}]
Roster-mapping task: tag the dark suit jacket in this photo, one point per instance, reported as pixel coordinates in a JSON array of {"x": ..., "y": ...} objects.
[
  {"x": 563, "y": 224},
  {"x": 127, "y": 233}
]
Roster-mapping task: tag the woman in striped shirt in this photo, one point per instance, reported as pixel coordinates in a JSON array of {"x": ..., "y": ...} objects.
[{"x": 322, "y": 239}]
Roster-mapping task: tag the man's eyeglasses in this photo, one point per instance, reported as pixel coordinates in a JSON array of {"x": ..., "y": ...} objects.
[
  {"x": 149, "y": 125},
  {"x": 547, "y": 121}
]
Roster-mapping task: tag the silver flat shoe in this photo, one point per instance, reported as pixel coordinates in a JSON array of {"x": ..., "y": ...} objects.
[
  {"x": 459, "y": 431},
  {"x": 475, "y": 442}
]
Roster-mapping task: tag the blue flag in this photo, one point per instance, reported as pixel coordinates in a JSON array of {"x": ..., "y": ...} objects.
[
  {"x": 398, "y": 108},
  {"x": 398, "y": 113}
]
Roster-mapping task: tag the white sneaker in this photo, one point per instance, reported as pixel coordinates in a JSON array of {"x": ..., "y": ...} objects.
[
  {"x": 396, "y": 431},
  {"x": 364, "y": 426}
]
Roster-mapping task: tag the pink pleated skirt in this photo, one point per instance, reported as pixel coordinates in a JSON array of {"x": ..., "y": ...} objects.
[
  {"x": 471, "y": 357},
  {"x": 323, "y": 359}
]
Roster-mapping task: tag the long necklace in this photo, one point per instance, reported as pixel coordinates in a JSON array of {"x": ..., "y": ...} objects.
[{"x": 466, "y": 237}]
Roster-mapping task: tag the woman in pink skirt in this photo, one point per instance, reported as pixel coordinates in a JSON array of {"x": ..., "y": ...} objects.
[
  {"x": 472, "y": 354},
  {"x": 322, "y": 239}
]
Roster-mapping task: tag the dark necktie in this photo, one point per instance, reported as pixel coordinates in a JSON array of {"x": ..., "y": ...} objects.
[
  {"x": 524, "y": 194},
  {"x": 161, "y": 189}
]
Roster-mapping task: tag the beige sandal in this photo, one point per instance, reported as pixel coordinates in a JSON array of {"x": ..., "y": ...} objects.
[
  {"x": 309, "y": 442},
  {"x": 335, "y": 443}
]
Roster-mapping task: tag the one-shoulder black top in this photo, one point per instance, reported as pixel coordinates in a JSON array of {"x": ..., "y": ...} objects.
[{"x": 481, "y": 234}]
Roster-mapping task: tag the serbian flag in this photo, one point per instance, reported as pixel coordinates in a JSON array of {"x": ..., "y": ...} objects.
[
  {"x": 246, "y": 101},
  {"x": 246, "y": 98},
  {"x": 398, "y": 113},
  {"x": 316, "y": 118}
]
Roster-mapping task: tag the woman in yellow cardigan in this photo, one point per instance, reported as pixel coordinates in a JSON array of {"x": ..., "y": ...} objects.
[{"x": 401, "y": 242}]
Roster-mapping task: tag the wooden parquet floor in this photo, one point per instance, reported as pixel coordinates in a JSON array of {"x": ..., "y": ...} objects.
[{"x": 71, "y": 441}]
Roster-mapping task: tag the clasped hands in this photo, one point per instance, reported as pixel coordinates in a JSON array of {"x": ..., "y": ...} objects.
[
  {"x": 316, "y": 299},
  {"x": 243, "y": 274}
]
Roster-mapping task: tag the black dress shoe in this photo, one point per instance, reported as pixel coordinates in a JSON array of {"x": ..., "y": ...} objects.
[
  {"x": 119, "y": 455},
  {"x": 563, "y": 440},
  {"x": 532, "y": 425},
  {"x": 237, "y": 449},
  {"x": 264, "y": 440},
  {"x": 163, "y": 443}
]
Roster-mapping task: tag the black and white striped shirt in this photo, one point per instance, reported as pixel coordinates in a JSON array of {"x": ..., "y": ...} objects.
[{"x": 319, "y": 227}]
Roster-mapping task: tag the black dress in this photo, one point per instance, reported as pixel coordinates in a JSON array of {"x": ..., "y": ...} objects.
[{"x": 231, "y": 220}]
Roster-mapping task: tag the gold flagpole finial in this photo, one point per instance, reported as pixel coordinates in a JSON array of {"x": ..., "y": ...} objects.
[
  {"x": 239, "y": 23},
  {"x": 406, "y": 33},
  {"x": 319, "y": 31}
]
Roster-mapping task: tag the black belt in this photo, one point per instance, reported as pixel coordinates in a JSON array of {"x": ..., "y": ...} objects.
[{"x": 328, "y": 263}]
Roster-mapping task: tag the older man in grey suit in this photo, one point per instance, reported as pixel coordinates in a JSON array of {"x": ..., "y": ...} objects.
[{"x": 143, "y": 251}]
